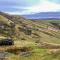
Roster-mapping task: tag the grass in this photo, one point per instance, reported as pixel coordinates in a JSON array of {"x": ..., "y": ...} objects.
[{"x": 38, "y": 54}]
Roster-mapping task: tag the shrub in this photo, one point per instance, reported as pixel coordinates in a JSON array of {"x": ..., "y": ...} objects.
[{"x": 19, "y": 50}]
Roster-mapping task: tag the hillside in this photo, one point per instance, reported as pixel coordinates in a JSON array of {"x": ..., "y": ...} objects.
[{"x": 30, "y": 35}]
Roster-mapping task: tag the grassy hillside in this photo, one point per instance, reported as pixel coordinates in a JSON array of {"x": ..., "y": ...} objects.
[{"x": 30, "y": 38}]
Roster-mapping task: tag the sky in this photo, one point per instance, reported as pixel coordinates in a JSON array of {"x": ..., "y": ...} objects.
[{"x": 25, "y": 7}]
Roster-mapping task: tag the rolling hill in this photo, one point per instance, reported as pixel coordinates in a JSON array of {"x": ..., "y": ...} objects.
[
  {"x": 38, "y": 29},
  {"x": 30, "y": 35}
]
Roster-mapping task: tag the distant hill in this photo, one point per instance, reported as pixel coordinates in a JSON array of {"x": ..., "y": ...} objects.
[{"x": 44, "y": 16}]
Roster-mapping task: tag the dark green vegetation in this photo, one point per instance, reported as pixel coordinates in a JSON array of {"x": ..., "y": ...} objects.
[
  {"x": 33, "y": 39},
  {"x": 6, "y": 42}
]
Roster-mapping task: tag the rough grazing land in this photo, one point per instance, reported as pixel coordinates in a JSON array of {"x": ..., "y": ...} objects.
[{"x": 33, "y": 39}]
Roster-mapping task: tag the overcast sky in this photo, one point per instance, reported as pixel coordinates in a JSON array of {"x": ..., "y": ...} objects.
[{"x": 22, "y": 7}]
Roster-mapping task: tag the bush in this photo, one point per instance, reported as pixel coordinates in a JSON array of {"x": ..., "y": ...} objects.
[
  {"x": 20, "y": 50},
  {"x": 26, "y": 30},
  {"x": 23, "y": 39}
]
